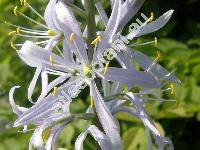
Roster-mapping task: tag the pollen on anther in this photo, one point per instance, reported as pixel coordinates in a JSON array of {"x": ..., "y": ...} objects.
[
  {"x": 158, "y": 56},
  {"x": 18, "y": 30},
  {"x": 156, "y": 41},
  {"x": 152, "y": 16},
  {"x": 71, "y": 38},
  {"x": 13, "y": 46},
  {"x": 55, "y": 89},
  {"x": 172, "y": 88},
  {"x": 12, "y": 33},
  {"x": 96, "y": 40},
  {"x": 51, "y": 60},
  {"x": 106, "y": 69},
  {"x": 91, "y": 102},
  {"x": 15, "y": 11}
]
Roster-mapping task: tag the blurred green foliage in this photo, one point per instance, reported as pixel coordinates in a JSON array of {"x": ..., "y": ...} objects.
[{"x": 179, "y": 43}]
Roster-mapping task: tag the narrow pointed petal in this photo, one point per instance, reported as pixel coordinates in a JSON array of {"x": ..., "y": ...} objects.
[
  {"x": 67, "y": 52},
  {"x": 69, "y": 25},
  {"x": 16, "y": 109},
  {"x": 108, "y": 122},
  {"x": 36, "y": 56},
  {"x": 49, "y": 15},
  {"x": 152, "y": 26},
  {"x": 36, "y": 140},
  {"x": 132, "y": 78},
  {"x": 160, "y": 141},
  {"x": 44, "y": 78},
  {"x": 129, "y": 9},
  {"x": 102, "y": 13},
  {"x": 111, "y": 29},
  {"x": 99, "y": 136},
  {"x": 52, "y": 140},
  {"x": 33, "y": 84},
  {"x": 157, "y": 70},
  {"x": 49, "y": 109}
]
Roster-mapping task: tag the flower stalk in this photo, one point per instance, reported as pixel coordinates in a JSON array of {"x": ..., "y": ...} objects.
[{"x": 91, "y": 26}]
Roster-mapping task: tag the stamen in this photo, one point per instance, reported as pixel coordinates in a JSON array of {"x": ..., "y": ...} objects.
[
  {"x": 55, "y": 89},
  {"x": 152, "y": 16},
  {"x": 91, "y": 102},
  {"x": 96, "y": 40},
  {"x": 27, "y": 29},
  {"x": 13, "y": 46},
  {"x": 156, "y": 41},
  {"x": 158, "y": 56},
  {"x": 51, "y": 32},
  {"x": 72, "y": 38},
  {"x": 51, "y": 60},
  {"x": 22, "y": 2},
  {"x": 18, "y": 30},
  {"x": 106, "y": 69},
  {"x": 123, "y": 88},
  {"x": 172, "y": 88},
  {"x": 31, "y": 8},
  {"x": 12, "y": 33},
  {"x": 32, "y": 20},
  {"x": 15, "y": 11}
]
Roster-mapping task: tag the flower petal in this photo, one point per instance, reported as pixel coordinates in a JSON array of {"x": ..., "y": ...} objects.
[
  {"x": 69, "y": 25},
  {"x": 160, "y": 141},
  {"x": 157, "y": 70},
  {"x": 49, "y": 15},
  {"x": 110, "y": 30},
  {"x": 36, "y": 56},
  {"x": 99, "y": 136},
  {"x": 16, "y": 109},
  {"x": 132, "y": 78},
  {"x": 102, "y": 13},
  {"x": 152, "y": 26},
  {"x": 108, "y": 122},
  {"x": 130, "y": 8}
]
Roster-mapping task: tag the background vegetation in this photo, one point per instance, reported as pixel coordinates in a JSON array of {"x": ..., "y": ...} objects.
[{"x": 179, "y": 43}]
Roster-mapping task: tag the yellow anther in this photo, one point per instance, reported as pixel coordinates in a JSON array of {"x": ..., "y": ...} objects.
[
  {"x": 96, "y": 40},
  {"x": 91, "y": 102},
  {"x": 51, "y": 60},
  {"x": 25, "y": 2},
  {"x": 15, "y": 11},
  {"x": 86, "y": 70},
  {"x": 13, "y": 46},
  {"x": 106, "y": 69},
  {"x": 172, "y": 88},
  {"x": 123, "y": 88},
  {"x": 22, "y": 2},
  {"x": 71, "y": 38},
  {"x": 55, "y": 89},
  {"x": 158, "y": 56},
  {"x": 12, "y": 33},
  {"x": 18, "y": 30},
  {"x": 152, "y": 16},
  {"x": 51, "y": 32},
  {"x": 156, "y": 41}
]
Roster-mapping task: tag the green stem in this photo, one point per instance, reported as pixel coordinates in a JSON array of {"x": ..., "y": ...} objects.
[{"x": 91, "y": 26}]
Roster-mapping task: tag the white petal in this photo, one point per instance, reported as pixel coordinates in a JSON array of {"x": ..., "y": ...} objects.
[
  {"x": 152, "y": 26},
  {"x": 99, "y": 136},
  {"x": 16, "y": 109},
  {"x": 110, "y": 30},
  {"x": 33, "y": 84},
  {"x": 108, "y": 122},
  {"x": 102, "y": 13},
  {"x": 130, "y": 8}
]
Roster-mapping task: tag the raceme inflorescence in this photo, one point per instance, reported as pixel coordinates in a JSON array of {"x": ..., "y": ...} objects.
[{"x": 102, "y": 59}]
